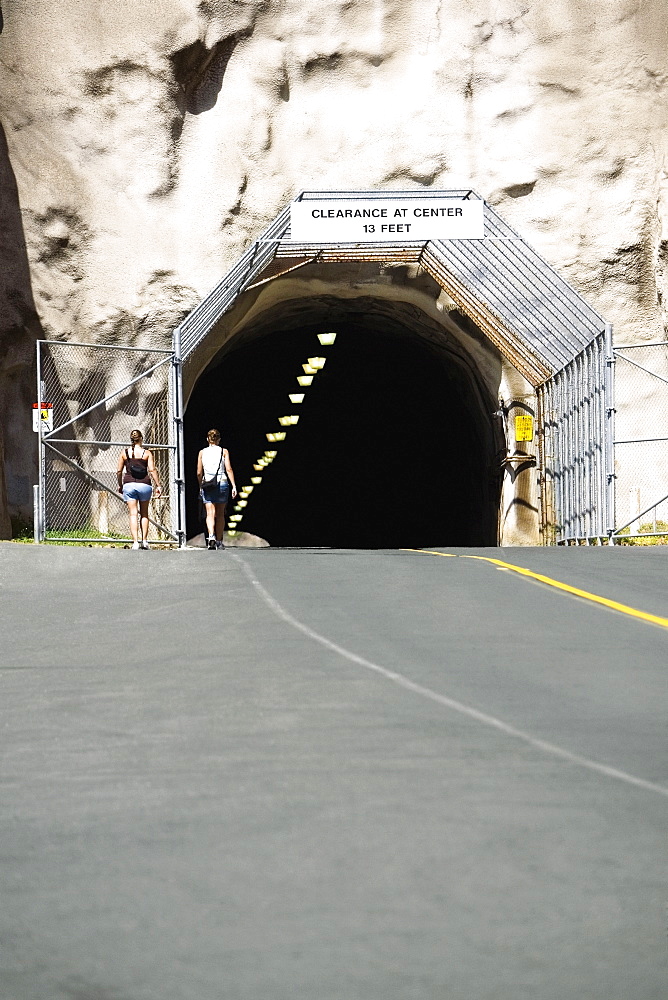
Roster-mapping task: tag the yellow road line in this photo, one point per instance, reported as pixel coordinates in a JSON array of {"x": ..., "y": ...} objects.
[{"x": 566, "y": 587}]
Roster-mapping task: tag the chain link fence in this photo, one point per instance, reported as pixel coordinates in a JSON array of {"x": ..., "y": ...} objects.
[
  {"x": 98, "y": 395},
  {"x": 641, "y": 443}
]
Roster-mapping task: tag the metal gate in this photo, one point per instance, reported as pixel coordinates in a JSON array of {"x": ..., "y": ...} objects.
[
  {"x": 641, "y": 441},
  {"x": 576, "y": 414},
  {"x": 93, "y": 395}
]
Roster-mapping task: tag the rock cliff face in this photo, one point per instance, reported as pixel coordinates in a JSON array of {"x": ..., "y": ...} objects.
[{"x": 149, "y": 141}]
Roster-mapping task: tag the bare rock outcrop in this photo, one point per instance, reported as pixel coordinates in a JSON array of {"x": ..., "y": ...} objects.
[{"x": 147, "y": 143}]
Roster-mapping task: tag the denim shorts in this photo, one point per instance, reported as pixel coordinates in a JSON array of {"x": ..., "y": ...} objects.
[
  {"x": 137, "y": 491},
  {"x": 216, "y": 493}
]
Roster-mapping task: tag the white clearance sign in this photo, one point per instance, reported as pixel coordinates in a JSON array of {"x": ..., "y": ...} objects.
[{"x": 378, "y": 220}]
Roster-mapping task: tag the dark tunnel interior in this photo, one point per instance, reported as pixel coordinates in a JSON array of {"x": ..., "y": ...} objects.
[{"x": 393, "y": 448}]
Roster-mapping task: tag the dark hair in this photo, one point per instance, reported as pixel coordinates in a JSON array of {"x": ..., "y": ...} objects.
[
  {"x": 136, "y": 436},
  {"x": 213, "y": 435}
]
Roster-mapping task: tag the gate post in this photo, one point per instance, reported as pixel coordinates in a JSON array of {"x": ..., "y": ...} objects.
[
  {"x": 179, "y": 526},
  {"x": 39, "y": 513},
  {"x": 609, "y": 390}
]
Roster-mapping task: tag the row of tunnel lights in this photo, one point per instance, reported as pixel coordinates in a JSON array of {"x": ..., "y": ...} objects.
[{"x": 310, "y": 370}]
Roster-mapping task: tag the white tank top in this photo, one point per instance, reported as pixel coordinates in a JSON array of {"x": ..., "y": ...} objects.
[{"x": 211, "y": 462}]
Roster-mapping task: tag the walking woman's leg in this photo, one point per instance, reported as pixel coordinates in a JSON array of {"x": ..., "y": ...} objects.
[
  {"x": 220, "y": 520},
  {"x": 210, "y": 519},
  {"x": 143, "y": 510},
  {"x": 132, "y": 512}
]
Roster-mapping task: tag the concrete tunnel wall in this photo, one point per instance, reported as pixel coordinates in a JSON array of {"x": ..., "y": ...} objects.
[{"x": 451, "y": 456}]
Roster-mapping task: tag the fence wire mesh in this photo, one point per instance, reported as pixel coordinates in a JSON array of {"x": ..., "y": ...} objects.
[
  {"x": 100, "y": 393},
  {"x": 641, "y": 441},
  {"x": 573, "y": 415}
]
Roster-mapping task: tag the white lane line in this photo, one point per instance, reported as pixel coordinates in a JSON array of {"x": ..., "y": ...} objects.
[{"x": 441, "y": 699}]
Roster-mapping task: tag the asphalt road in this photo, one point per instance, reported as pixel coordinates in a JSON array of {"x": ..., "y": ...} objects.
[{"x": 332, "y": 775}]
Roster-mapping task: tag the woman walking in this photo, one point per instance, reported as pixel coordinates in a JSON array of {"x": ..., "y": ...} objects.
[
  {"x": 135, "y": 471},
  {"x": 216, "y": 479}
]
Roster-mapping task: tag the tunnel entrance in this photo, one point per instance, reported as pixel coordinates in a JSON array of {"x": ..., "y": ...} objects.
[
  {"x": 395, "y": 445},
  {"x": 477, "y": 410}
]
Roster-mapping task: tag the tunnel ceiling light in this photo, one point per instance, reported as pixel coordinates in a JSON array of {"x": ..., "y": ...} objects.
[
  {"x": 232, "y": 533},
  {"x": 313, "y": 366}
]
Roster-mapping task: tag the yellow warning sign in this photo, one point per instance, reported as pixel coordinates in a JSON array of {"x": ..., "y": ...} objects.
[
  {"x": 524, "y": 427},
  {"x": 42, "y": 416}
]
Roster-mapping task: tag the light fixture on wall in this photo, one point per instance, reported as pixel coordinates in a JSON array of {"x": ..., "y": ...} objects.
[{"x": 311, "y": 368}]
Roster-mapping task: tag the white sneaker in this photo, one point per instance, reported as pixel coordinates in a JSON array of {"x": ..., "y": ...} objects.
[
  {"x": 135, "y": 545},
  {"x": 144, "y": 544}
]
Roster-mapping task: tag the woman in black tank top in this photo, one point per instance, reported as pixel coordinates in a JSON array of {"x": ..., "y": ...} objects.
[{"x": 135, "y": 471}]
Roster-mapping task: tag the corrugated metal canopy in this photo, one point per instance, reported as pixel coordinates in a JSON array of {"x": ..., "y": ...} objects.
[{"x": 535, "y": 318}]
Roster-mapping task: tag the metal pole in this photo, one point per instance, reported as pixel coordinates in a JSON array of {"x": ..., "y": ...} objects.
[
  {"x": 579, "y": 447},
  {"x": 540, "y": 456},
  {"x": 609, "y": 390},
  {"x": 39, "y": 512},
  {"x": 179, "y": 479},
  {"x": 35, "y": 514},
  {"x": 587, "y": 451},
  {"x": 568, "y": 467},
  {"x": 600, "y": 437}
]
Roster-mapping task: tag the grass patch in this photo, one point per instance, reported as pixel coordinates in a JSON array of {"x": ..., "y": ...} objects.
[
  {"x": 81, "y": 536},
  {"x": 645, "y": 530}
]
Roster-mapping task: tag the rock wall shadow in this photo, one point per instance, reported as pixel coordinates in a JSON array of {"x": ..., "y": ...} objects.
[
  {"x": 199, "y": 73},
  {"x": 19, "y": 329}
]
